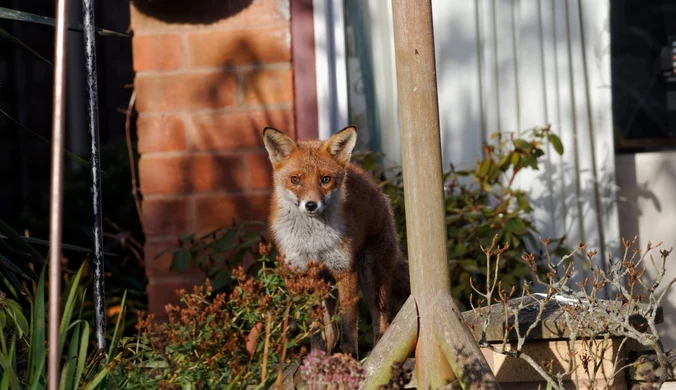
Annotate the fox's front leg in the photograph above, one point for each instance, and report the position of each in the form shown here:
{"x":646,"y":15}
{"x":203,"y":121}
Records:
{"x":348,"y":290}
{"x":326,"y":340}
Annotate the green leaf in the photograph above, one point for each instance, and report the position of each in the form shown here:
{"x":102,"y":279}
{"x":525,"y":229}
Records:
{"x":522,"y":145}
{"x":14,"y":311}
{"x":224,"y":242}
{"x":6,"y":13}
{"x":8,"y":370}
{"x":3,"y":319}
{"x":82,"y":356}
{"x":112,"y":349}
{"x":69,"y":154}
{"x":16,"y":42}
{"x":16,"y":238}
{"x":69,"y":247}
{"x":555,"y":141}
{"x":68,"y":371}
{"x":97,"y":379}
{"x":516,"y":226}
{"x":221,"y":280}
{"x":68,"y":306}
{"x":483,"y":169}
{"x":37,"y":354}
{"x":181,"y":260}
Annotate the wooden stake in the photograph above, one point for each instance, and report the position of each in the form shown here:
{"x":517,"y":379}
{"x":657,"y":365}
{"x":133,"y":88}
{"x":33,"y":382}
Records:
{"x":460,"y":347}
{"x":395,"y":346}
{"x":423,"y":187}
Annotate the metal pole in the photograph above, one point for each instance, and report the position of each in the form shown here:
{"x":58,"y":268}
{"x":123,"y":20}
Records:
{"x":423,"y":187}
{"x":93,"y":113}
{"x":56,"y":193}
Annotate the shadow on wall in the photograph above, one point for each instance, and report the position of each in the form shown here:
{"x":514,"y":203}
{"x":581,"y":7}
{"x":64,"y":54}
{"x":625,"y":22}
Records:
{"x":242,"y":83}
{"x":646,"y":184}
{"x":193,"y":12}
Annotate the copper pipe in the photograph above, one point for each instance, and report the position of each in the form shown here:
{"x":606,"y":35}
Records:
{"x":56,"y":194}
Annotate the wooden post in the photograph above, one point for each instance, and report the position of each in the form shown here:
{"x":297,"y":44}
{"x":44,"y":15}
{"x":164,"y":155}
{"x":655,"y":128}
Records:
{"x":423,"y":187}
{"x":442,"y":335}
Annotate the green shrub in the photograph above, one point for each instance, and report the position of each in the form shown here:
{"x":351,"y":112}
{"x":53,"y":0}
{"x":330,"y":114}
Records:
{"x":480,"y":202}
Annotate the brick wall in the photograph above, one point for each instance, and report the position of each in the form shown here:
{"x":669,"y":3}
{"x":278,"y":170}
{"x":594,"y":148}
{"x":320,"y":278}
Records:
{"x":208,"y":79}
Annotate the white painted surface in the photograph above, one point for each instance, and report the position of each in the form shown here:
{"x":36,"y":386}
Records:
{"x":511,"y":65}
{"x":647,"y":188}
{"x":330,"y":66}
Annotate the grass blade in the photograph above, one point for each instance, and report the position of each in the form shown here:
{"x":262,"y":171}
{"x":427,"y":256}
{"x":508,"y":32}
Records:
{"x":16,"y":42}
{"x":18,"y":268}
{"x":8,"y":372}
{"x":6,"y":13}
{"x":15,"y":237}
{"x":37,"y":353}
{"x":68,"y":153}
{"x":97,"y":379}
{"x":112,"y":350}
{"x":68,"y":372}
{"x":74,"y":248}
{"x":71,"y":290}
{"x":82,"y":356}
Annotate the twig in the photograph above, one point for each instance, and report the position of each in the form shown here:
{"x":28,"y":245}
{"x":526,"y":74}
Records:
{"x":285,"y":329}
{"x":132,"y":163}
{"x":266,"y":346}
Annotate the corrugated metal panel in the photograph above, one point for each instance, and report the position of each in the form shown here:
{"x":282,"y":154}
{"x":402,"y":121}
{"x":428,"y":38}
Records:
{"x":510,"y":65}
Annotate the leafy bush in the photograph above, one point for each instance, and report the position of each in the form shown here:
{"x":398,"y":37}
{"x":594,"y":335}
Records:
{"x":480,"y":202}
{"x":219,"y":252}
{"x":230,"y":340}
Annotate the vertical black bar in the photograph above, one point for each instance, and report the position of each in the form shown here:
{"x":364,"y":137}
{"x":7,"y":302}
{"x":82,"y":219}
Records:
{"x":92,"y":111}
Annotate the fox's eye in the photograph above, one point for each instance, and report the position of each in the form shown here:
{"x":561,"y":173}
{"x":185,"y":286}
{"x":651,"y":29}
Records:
{"x":326,"y":179}
{"x":295,"y":179}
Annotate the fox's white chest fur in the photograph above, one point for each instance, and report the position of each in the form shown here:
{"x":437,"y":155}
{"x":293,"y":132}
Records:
{"x":304,"y":238}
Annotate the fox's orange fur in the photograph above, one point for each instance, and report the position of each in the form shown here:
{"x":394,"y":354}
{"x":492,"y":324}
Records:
{"x":325,"y":208}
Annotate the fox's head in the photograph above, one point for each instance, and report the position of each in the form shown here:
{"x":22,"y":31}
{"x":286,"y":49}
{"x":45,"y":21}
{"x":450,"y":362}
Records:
{"x":309,"y":175}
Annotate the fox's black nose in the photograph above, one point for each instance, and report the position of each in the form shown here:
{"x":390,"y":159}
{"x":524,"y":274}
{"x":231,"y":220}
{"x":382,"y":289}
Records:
{"x":311,"y":206}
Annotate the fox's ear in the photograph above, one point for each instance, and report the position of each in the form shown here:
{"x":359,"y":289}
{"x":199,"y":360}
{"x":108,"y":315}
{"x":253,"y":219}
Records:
{"x":340,"y":145}
{"x":279,"y":146}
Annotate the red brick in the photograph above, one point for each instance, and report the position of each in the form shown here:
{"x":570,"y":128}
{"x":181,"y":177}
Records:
{"x":156,"y":52}
{"x":221,"y":48}
{"x":190,"y":173}
{"x":259,"y":171}
{"x":268,"y":86}
{"x":163,"y":291}
{"x":160,"y":266}
{"x":217,"y":211}
{"x":154,"y":15}
{"x":185,"y":91}
{"x":163,"y":133}
{"x":166,"y":217}
{"x":227,"y":131}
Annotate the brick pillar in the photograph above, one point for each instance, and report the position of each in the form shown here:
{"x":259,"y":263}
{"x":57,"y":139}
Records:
{"x":208,"y":79}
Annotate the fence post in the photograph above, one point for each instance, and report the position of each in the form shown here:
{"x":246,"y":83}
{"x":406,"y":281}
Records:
{"x":95,"y":150}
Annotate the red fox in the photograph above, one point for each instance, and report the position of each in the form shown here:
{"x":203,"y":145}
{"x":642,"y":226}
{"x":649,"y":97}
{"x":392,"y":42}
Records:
{"x":326,"y":209}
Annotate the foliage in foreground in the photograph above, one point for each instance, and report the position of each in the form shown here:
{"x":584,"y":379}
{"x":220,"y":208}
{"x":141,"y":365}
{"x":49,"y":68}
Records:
{"x":629,"y":313}
{"x":23,"y":349}
{"x":234,"y":340}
